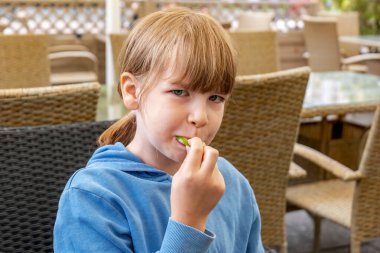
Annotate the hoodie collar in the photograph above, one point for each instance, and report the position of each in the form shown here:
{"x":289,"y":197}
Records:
{"x":117,"y":156}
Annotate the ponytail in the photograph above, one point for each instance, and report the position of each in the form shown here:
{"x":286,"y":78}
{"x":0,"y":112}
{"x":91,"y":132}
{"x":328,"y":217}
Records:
{"x":122,"y":131}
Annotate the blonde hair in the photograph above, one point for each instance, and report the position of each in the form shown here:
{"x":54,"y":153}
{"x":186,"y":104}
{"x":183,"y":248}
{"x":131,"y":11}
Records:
{"x":204,"y":56}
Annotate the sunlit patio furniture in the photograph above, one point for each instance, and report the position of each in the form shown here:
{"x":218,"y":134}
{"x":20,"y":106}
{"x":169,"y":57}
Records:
{"x":48,"y":105}
{"x":340,"y":92}
{"x":257,"y":52}
{"x":23,"y":61}
{"x":348,"y":24}
{"x":371,"y":41}
{"x":254,"y":21}
{"x":337,"y":111}
{"x":36,"y":163}
{"x":322,"y":44}
{"x":77,"y":64}
{"x":363,"y":40}
{"x":117,"y":40}
{"x":257,"y":135}
{"x":352,"y":200}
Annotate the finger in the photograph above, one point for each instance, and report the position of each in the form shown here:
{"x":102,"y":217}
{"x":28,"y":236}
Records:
{"x":210,"y":157}
{"x":195,"y":153}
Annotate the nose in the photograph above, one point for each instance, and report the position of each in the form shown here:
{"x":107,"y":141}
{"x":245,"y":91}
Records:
{"x":198,"y":115}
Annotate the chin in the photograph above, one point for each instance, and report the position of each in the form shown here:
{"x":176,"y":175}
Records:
{"x":177,"y":157}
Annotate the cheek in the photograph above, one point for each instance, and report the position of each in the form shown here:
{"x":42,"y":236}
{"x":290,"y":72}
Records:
{"x":215,"y":124}
{"x":218,"y":116}
{"x":163,"y":119}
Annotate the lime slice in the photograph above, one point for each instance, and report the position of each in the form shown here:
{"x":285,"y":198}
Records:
{"x":183,"y":140}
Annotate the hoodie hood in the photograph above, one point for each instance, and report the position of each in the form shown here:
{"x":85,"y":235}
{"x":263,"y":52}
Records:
{"x":116,"y":156}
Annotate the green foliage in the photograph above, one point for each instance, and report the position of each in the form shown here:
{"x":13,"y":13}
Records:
{"x":369,"y":12}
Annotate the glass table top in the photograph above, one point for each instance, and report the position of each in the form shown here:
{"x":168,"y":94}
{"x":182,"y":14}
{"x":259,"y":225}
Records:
{"x":340,"y":88}
{"x":363,"y":40}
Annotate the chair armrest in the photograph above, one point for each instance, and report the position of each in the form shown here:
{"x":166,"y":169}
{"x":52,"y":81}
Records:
{"x":73,"y":54}
{"x":326,"y":163}
{"x":296,"y":171}
{"x":360,"y":58}
{"x":69,"y":47}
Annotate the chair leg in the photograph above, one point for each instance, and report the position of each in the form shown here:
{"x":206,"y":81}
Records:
{"x":317,"y":233}
{"x":284,"y":248}
{"x":355,"y":246}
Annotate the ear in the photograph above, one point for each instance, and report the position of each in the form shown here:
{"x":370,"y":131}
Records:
{"x":129,"y":90}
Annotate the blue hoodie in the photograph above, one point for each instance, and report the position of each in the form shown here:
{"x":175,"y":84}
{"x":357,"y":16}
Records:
{"x":119,"y":204}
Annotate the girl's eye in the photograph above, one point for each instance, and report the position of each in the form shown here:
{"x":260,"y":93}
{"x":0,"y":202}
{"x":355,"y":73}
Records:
{"x":216,"y":98}
{"x":179,"y":93}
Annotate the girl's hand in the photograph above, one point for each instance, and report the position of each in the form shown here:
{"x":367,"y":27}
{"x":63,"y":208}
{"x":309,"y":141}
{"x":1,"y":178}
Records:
{"x":197,"y":186}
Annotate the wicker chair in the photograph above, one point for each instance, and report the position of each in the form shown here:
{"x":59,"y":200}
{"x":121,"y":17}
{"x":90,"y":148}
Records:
{"x":257,"y":52}
{"x":72,"y":64}
{"x":257,"y":135}
{"x":36,"y":162}
{"x":348,"y":24}
{"x":321,"y":37}
{"x":48,"y":105}
{"x":23,"y":61}
{"x":254,"y":21}
{"x":117,"y":40}
{"x":352,"y":200}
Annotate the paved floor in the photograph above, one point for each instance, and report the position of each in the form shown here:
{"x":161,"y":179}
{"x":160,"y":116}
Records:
{"x":334,"y":238}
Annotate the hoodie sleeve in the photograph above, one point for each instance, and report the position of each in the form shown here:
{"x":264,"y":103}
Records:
{"x":185,"y":239}
{"x":88,"y":223}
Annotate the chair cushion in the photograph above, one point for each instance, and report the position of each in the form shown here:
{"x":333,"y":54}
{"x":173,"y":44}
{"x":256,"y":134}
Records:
{"x":73,"y":77}
{"x":331,"y":199}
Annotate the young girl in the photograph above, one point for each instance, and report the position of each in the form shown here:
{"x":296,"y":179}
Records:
{"x":144,"y":190}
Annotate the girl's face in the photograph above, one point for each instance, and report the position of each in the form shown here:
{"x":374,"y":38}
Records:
{"x":170,"y":110}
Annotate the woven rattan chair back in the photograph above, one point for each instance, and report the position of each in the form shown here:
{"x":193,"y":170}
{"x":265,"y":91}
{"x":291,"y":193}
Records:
{"x":60,"y":104}
{"x":254,"y":21}
{"x":24,"y":61}
{"x":36,"y":162}
{"x":117,"y":40}
{"x":257,"y":52}
{"x":257,"y":135}
{"x":321,"y":38}
{"x":365,"y":219}
{"x":348,"y":24}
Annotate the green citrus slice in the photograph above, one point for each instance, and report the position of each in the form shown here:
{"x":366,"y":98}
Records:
{"x":183,"y":140}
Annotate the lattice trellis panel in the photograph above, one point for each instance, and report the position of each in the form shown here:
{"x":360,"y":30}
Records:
{"x":225,"y":11}
{"x":88,"y":16}
{"x":129,"y":13}
{"x":52,"y":17}
{"x":131,"y":10}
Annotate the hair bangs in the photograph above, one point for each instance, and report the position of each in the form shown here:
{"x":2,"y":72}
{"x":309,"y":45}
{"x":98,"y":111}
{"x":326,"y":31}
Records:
{"x":205,"y":59}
